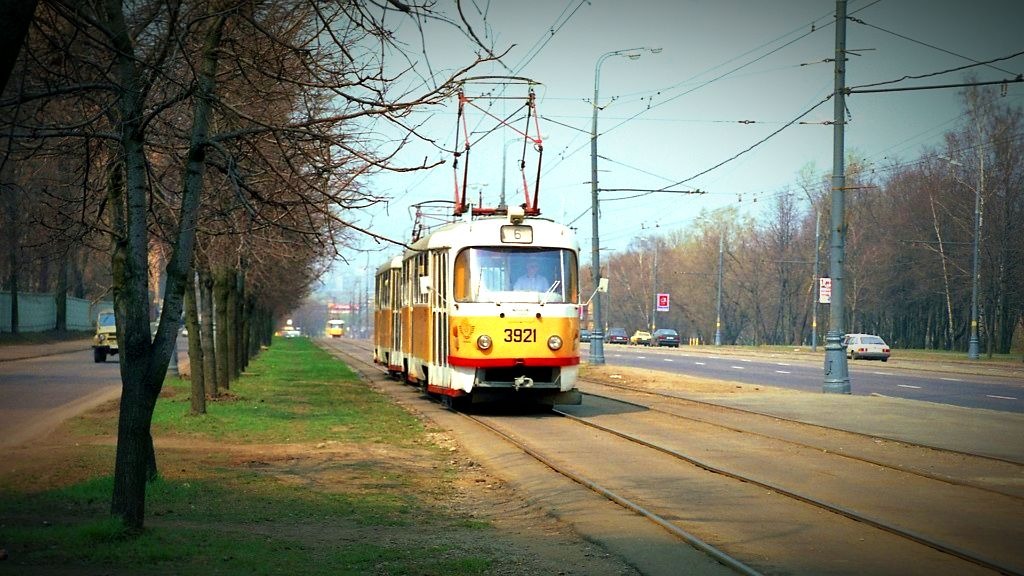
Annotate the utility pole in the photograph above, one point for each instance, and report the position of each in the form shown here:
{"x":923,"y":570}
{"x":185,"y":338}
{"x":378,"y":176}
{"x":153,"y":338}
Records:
{"x":718,"y":307}
{"x":814,"y":286}
{"x":837,"y":376}
{"x":654,"y":287}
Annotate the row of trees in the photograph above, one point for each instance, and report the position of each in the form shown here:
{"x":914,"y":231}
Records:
{"x":223,"y":141}
{"x":909,"y":251}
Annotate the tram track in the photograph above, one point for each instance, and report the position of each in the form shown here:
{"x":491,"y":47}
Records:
{"x":984,"y":466}
{"x":644,"y":426}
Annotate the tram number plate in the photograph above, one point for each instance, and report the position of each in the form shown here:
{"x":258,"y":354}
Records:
{"x":520,"y":334}
{"x":515,"y":234}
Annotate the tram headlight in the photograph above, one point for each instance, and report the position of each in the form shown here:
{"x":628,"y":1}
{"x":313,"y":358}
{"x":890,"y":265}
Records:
{"x":555,"y":342}
{"x":483,"y":342}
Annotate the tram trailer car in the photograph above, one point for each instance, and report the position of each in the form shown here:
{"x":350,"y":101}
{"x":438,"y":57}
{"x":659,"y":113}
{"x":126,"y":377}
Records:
{"x":484,"y":310}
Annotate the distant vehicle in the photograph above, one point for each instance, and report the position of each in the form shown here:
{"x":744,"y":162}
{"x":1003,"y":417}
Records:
{"x":665,"y":337}
{"x":336,"y":328}
{"x":616,"y":336}
{"x":104,"y":342}
{"x":866,"y":347}
{"x":584,"y":335}
{"x":291,"y":332}
{"x":640,"y":338}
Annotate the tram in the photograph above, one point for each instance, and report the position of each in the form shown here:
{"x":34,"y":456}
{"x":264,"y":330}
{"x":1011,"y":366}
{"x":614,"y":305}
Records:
{"x":335,"y":323}
{"x":486,"y":306}
{"x":484,"y":310}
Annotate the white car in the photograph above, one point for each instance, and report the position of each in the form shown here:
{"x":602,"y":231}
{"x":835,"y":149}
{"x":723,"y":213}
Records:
{"x":866,"y":346}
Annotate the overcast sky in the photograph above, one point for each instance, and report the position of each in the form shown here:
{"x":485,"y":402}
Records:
{"x":729,"y":74}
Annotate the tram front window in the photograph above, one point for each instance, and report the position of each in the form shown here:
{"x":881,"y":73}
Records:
{"x":516,"y":275}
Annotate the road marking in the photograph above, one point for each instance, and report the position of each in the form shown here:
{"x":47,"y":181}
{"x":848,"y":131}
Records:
{"x":701,"y":363}
{"x":882,"y":373}
{"x":908,"y":386}
{"x":1000,"y":397}
{"x":782,"y":364}
{"x":738,"y":367}
{"x":783,"y":372}
{"x":951,"y":379}
{"x":668,"y":359}
{"x":641,"y":357}
{"x":745,"y":360}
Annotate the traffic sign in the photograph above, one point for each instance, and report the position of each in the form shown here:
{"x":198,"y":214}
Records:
{"x":662,"y":302}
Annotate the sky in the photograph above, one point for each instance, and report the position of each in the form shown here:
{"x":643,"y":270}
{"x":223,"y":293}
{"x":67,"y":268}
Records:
{"x":727,"y":74}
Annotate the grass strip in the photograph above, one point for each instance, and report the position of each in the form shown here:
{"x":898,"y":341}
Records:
{"x":302,"y":469}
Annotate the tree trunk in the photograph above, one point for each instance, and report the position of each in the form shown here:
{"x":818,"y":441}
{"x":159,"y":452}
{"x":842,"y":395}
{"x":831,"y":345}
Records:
{"x":233,"y":323}
{"x":206,"y":330}
{"x":195,"y":352}
{"x":221,"y":286}
{"x":143,"y":358}
{"x":62,"y":293}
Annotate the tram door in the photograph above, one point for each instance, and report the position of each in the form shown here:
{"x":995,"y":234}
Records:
{"x":439,"y":317}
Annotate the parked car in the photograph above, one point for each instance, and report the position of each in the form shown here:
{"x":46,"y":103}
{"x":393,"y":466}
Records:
{"x":640,"y":338}
{"x":866,"y":346}
{"x":584,"y":335}
{"x":665,"y":337}
{"x":616,"y":336}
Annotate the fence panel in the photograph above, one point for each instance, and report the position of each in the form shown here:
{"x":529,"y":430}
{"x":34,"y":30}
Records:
{"x":38,"y":312}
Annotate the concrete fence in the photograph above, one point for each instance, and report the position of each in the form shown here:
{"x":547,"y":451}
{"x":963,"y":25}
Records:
{"x":38,"y":312}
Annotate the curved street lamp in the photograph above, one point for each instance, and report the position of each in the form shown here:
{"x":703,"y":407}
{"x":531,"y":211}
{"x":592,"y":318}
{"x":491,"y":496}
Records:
{"x":597,"y":335}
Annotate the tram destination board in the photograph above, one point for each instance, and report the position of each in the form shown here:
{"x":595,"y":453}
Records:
{"x":517,"y":234}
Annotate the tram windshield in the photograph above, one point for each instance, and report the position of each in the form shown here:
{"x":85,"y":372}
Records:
{"x":516,"y":275}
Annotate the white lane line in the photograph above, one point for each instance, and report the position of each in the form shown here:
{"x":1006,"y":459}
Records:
{"x":951,"y":379}
{"x":882,"y":373}
{"x":1000,"y":397}
{"x":668,"y":360}
{"x":641,"y":357}
{"x":739,"y":367}
{"x":783,"y":372}
{"x":782,"y":364}
{"x":745,"y":360}
{"x":701,"y":363}
{"x":908,"y":386}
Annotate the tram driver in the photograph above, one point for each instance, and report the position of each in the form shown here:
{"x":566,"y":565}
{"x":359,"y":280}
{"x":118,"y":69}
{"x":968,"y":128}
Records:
{"x":532,"y":280}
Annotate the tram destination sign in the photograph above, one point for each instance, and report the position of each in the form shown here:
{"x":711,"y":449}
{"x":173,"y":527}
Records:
{"x":516,"y":234}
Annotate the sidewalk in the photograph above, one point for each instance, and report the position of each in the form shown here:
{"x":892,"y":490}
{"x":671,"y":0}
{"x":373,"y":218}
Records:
{"x":10,"y":352}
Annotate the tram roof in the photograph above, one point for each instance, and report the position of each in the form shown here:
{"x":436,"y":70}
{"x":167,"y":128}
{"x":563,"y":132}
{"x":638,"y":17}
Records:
{"x":486,"y":231}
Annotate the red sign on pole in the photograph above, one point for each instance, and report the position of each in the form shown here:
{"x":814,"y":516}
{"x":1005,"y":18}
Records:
{"x":663,"y":300}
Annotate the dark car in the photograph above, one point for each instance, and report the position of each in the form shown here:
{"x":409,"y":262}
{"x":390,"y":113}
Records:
{"x":584,"y":335}
{"x":665,"y":337}
{"x":617,"y":336}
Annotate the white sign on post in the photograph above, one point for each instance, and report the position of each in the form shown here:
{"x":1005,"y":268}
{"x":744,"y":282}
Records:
{"x":825,"y":290}
{"x":663,"y":300}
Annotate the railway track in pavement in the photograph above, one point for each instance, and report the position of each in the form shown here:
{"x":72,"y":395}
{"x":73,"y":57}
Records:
{"x":765,"y":494}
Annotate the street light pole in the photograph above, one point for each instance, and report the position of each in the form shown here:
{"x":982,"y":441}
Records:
{"x":972,"y":346}
{"x":597,"y":334}
{"x":837,"y":376}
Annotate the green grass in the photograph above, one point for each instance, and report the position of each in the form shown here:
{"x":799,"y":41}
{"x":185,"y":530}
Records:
{"x":302,"y":512}
{"x":297,"y":393}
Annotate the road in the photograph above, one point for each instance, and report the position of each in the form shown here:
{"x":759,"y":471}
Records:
{"x":866,"y":377}
{"x":37,"y":394}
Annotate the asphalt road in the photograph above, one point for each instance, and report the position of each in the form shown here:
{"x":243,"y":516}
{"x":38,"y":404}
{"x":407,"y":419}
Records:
{"x":866,"y":377}
{"x":37,"y":394}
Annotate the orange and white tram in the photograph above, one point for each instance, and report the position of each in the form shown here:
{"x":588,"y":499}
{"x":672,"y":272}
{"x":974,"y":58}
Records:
{"x":484,"y":309}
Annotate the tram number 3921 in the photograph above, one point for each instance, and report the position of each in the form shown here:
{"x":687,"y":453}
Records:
{"x":520,"y":334}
